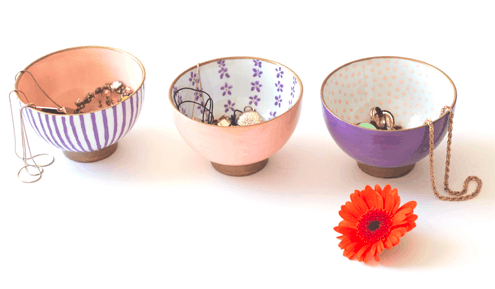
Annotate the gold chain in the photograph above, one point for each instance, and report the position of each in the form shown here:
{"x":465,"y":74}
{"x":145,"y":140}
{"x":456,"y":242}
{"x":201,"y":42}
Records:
{"x":459,"y":195}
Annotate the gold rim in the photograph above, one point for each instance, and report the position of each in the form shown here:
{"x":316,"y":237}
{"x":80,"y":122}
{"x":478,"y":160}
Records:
{"x":84,"y":47}
{"x":385,"y":57}
{"x":170,"y":94}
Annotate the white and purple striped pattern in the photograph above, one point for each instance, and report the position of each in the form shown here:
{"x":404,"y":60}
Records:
{"x":87,"y":132}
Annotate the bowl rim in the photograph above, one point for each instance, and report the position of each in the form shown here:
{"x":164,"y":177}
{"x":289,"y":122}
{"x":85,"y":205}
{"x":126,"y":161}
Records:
{"x":226,"y":58}
{"x":386,"y":57}
{"x":83,"y":47}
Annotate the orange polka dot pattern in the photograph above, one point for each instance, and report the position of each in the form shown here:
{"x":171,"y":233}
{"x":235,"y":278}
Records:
{"x":411,"y":90}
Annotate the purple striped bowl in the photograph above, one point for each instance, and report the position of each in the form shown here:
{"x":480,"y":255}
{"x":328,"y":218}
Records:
{"x":412,"y":90}
{"x":84,"y":137}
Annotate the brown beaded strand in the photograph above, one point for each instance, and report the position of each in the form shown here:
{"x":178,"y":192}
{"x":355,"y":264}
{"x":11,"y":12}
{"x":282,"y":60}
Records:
{"x":459,"y":195}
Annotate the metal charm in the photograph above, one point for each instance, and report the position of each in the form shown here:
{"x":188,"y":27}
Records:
{"x":222,"y":121}
{"x":383,"y":119}
{"x":249,"y":117}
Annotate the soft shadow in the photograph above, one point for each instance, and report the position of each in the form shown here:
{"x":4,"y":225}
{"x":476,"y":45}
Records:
{"x":305,"y":171}
{"x":418,"y":250}
{"x":146,"y":155}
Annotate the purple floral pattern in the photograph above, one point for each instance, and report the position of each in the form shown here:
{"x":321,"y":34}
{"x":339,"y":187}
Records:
{"x":223,"y":70}
{"x":273,"y":114}
{"x":254,"y":99}
{"x":257,"y":72}
{"x":198,"y":95}
{"x":293,"y":88}
{"x":256,"y":85}
{"x":229,"y":106}
{"x":278,"y":100}
{"x":255,"y":81}
{"x":226,"y":89}
{"x":193,"y":78}
{"x":201,"y":107}
{"x":176,"y":95}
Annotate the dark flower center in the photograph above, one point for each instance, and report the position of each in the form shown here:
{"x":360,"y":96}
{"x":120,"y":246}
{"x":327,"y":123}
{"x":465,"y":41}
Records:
{"x":374,"y":225}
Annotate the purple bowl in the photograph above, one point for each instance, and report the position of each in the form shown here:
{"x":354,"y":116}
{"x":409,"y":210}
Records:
{"x":412,"y":90}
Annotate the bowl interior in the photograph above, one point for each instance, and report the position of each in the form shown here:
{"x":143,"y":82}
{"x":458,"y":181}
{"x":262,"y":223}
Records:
{"x":235,"y":83}
{"x":411,"y":90}
{"x":70,"y":74}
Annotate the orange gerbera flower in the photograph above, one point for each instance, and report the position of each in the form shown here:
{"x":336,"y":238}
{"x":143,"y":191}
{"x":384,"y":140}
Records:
{"x":373,"y":221}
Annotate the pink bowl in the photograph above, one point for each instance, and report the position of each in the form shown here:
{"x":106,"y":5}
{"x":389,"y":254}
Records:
{"x":271,"y":88}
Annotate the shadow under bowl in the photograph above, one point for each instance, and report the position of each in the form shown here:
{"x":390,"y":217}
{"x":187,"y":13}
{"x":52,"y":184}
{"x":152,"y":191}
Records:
{"x":68,"y":75}
{"x":270,"y":88}
{"x":411,"y":90}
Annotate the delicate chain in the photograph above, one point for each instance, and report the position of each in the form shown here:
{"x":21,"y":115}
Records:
{"x":26,"y":147}
{"x":459,"y":195}
{"x":24,"y":71}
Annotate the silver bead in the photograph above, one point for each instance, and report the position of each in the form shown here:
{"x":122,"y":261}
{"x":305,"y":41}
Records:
{"x":116,"y":85}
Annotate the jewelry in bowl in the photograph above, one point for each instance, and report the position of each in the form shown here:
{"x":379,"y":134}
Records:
{"x":411,"y":90}
{"x":260,"y":98}
{"x":86,"y":126}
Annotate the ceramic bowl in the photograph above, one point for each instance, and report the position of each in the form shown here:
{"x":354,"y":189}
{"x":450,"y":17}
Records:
{"x":69,"y":74}
{"x":270,"y":88}
{"x":410,"y":89}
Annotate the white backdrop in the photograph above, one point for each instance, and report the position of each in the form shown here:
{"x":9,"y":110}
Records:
{"x":157,"y":215}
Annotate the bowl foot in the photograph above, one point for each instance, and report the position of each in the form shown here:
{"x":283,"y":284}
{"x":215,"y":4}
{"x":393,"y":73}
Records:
{"x":386,"y":173}
{"x":240,"y":171}
{"x":89,"y":157}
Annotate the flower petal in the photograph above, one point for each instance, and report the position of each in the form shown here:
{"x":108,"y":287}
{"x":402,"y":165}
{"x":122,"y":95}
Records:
{"x":373,"y":249}
{"x":412,"y":218}
{"x":399,"y":232}
{"x":359,"y":202}
{"x":349,"y":253}
{"x":362,"y":252}
{"x":372,"y":199}
{"x":352,"y":209}
{"x":346,"y":216}
{"x":411,"y":222}
{"x":388,"y":244}
{"x":393,"y":239}
{"x":347,"y":224}
{"x":411,"y":226}
{"x":398,"y":218}
{"x":390,"y":201}
{"x":408,"y":207}
{"x":345,"y":231}
{"x":378,"y":189}
{"x":367,"y":256}
{"x":346,"y":241}
{"x":397,"y":201}
{"x":349,"y":243}
{"x":379,"y":248}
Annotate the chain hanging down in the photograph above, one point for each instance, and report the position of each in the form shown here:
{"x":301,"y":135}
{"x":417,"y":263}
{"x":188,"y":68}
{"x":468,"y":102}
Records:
{"x":25,"y":146}
{"x":457,"y":195}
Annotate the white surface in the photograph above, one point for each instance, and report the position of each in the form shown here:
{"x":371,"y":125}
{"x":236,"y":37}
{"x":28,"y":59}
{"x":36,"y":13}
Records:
{"x":157,"y":215}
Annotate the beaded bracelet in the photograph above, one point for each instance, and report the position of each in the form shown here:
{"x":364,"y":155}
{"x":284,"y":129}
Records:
{"x":106,"y":90}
